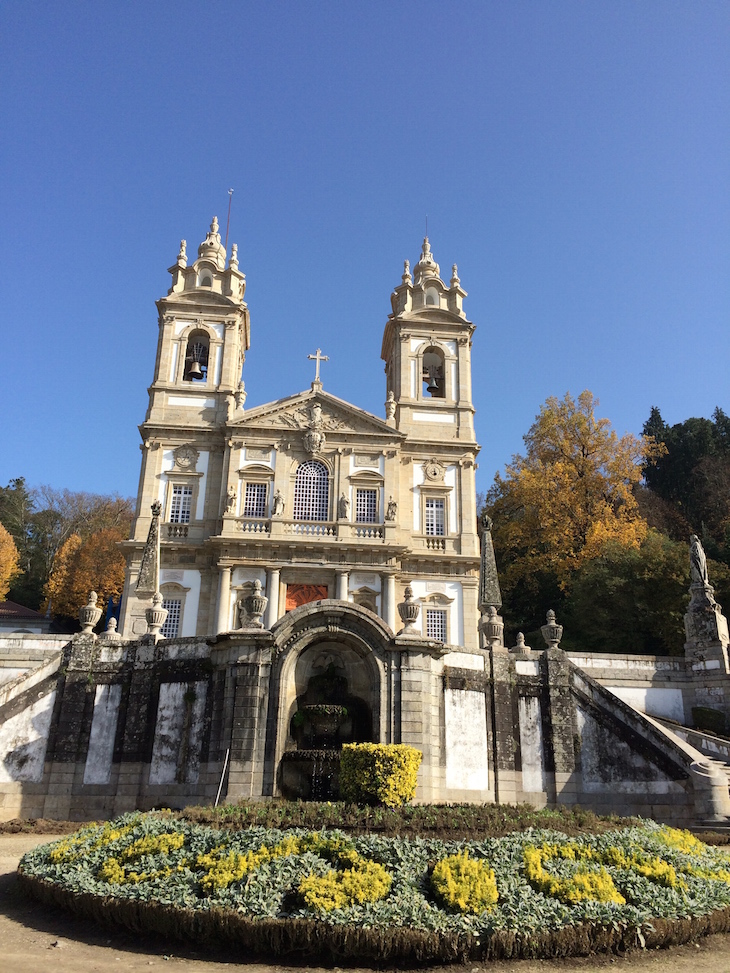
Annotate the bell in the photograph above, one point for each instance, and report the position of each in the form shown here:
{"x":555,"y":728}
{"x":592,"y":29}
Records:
{"x":195,"y":371}
{"x":433,"y":388}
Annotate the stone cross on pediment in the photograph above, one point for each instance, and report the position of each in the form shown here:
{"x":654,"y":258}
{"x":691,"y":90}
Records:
{"x":318,"y":357}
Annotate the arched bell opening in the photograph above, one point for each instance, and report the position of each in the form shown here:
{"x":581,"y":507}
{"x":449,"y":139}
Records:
{"x":434,"y":373}
{"x":196,"y":357}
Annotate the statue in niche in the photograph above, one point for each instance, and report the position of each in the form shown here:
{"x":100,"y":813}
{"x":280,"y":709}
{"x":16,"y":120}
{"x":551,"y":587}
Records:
{"x":697,"y":561}
{"x":278,"y":504}
{"x":343,"y":507}
{"x":392,"y":510}
{"x":231,"y":498}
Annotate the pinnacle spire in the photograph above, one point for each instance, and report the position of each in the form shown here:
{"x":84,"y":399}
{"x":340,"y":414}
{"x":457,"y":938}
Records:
{"x":211,"y":247}
{"x":426,"y":266}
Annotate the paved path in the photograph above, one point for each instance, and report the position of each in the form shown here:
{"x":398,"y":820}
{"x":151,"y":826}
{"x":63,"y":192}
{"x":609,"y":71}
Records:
{"x":34,"y":939}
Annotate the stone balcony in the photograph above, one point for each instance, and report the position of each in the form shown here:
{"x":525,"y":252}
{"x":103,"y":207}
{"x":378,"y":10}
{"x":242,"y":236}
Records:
{"x":279,"y":528}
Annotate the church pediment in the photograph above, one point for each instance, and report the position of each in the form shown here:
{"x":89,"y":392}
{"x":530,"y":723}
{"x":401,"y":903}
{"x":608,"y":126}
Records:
{"x":316,"y":411}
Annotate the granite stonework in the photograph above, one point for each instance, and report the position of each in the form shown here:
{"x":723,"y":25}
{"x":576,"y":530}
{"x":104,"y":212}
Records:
{"x":303,"y":573}
{"x":113,"y":725}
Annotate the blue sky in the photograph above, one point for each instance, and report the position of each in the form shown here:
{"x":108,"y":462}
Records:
{"x":572,"y":158}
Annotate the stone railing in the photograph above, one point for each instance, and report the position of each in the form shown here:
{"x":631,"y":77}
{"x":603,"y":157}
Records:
{"x":309,"y":528}
{"x":254,"y":526}
{"x":368,"y":531}
{"x":177,"y":530}
{"x":438,"y":545}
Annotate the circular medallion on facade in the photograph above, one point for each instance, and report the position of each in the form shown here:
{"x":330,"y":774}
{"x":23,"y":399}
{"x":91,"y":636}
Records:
{"x":433,"y":470}
{"x":186,"y":457}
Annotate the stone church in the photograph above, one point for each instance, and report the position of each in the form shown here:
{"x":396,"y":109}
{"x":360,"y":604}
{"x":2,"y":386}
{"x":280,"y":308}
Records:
{"x":302,"y":574}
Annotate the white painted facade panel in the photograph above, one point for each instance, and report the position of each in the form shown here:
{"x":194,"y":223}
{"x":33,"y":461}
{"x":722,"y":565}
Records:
{"x":467,"y":766}
{"x":98,"y":767}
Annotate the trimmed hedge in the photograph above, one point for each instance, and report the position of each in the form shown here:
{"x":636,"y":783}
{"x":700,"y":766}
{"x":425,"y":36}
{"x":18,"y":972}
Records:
{"x":379,"y":773}
{"x":333,"y":896}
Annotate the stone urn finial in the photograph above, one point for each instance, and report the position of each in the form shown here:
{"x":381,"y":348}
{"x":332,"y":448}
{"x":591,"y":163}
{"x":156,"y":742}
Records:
{"x":552,"y":632}
{"x":156,"y":616}
{"x":520,"y":644}
{"x":111,"y":632}
{"x":409,"y":611}
{"x":252,"y":607}
{"x":89,"y":615}
{"x":492,"y":628}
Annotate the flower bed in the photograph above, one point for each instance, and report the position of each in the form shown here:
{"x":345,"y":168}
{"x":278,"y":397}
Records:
{"x":326,"y":894}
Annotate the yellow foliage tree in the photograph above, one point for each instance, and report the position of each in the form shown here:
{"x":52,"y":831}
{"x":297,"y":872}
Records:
{"x":570,"y":493}
{"x":81,"y":566}
{"x":9,"y":561}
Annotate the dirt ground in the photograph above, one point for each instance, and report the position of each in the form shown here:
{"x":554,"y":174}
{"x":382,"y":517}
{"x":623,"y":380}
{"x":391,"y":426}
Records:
{"x":32,"y":936}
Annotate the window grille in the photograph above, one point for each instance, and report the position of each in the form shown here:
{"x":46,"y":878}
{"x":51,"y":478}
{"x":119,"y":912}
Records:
{"x":366,"y":506}
{"x":436,"y":624}
{"x":181,"y":504}
{"x":311,"y":491}
{"x":172,"y":622}
{"x":254,"y":500}
{"x":435,"y":517}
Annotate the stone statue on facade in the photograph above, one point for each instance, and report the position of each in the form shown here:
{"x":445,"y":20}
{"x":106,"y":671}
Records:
{"x":314,"y":438}
{"x":392,"y":510}
{"x":343,"y":507}
{"x":241,"y":395}
{"x":231,"y":498}
{"x":705,"y":625}
{"x":390,"y":405}
{"x":278,"y":504}
{"x":697,"y":561}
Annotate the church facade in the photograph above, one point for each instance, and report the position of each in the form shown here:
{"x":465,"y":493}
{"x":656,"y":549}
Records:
{"x":310,"y":496}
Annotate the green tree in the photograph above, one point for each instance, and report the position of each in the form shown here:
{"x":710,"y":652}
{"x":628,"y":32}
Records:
{"x":693,"y":474}
{"x":630,"y":599}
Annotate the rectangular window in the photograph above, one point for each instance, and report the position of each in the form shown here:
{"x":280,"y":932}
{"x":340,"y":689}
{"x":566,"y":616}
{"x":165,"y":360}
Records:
{"x":436,"y":624}
{"x":254,"y":500}
{"x":366,"y":506}
{"x":181,"y":504}
{"x":435,"y":517}
{"x":172,"y":622}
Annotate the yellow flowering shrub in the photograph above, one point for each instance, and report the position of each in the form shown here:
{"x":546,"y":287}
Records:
{"x":465,"y":883}
{"x":583,"y":885}
{"x":683,"y":841}
{"x":649,"y":866}
{"x":379,"y":773}
{"x":365,"y":881}
{"x":117,"y":869}
{"x":76,"y":846}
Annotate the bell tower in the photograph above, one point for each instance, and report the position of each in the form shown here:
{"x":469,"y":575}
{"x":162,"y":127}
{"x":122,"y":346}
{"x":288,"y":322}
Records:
{"x":427,"y":354}
{"x":204,"y":333}
{"x":203,"y":338}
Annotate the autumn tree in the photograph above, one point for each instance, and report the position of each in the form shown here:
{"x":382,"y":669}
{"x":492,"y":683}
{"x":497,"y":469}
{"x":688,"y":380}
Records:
{"x":81,"y":566}
{"x":41,"y":519}
{"x":561,"y":502}
{"x":9,"y":561}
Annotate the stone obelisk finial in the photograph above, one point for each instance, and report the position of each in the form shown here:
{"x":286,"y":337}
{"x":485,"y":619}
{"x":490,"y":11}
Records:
{"x":148,"y":581}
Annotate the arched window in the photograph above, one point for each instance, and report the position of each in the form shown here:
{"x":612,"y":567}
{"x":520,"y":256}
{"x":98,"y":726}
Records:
{"x":196,"y":357}
{"x":432,"y":296}
{"x":434,"y":373}
{"x":311,"y":491}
